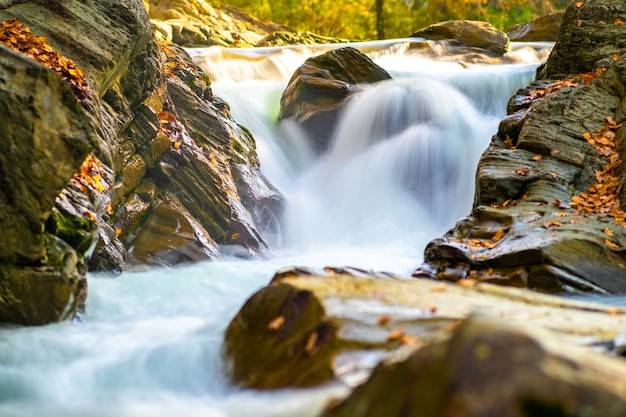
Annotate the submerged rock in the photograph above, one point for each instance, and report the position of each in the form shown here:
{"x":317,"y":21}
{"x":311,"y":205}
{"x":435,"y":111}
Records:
{"x":318,"y":89}
{"x":548,"y":201}
{"x":308,"y":328}
{"x":543,"y":29}
{"x":467,"y":34}
{"x":490,"y":368}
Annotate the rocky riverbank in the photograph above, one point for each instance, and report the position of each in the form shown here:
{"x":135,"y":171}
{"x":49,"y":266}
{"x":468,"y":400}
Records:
{"x":137,"y":164}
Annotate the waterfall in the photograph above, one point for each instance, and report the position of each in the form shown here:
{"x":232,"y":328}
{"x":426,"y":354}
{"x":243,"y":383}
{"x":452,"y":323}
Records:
{"x":399,"y":171}
{"x":400,"y":168}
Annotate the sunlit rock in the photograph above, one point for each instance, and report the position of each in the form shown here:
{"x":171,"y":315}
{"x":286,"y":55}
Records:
{"x":284,"y":38}
{"x":543,"y":29}
{"x":467,"y":34}
{"x":310,"y":327}
{"x":490,"y":367}
{"x":202,"y":23}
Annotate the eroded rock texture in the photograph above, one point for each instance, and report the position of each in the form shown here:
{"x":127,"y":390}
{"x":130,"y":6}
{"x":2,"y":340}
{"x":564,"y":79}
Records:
{"x":547,"y":210}
{"x":171,"y":176}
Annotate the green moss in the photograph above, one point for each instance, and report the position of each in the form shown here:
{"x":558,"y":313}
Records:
{"x":78,"y":232}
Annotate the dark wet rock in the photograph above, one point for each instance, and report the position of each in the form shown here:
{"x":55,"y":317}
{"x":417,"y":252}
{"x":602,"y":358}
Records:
{"x":591,"y":35}
{"x":169,"y":236}
{"x":200,"y":23}
{"x":310,"y":327}
{"x":490,"y":368}
{"x":524,"y":229}
{"x":45,"y":136}
{"x":543,"y":29}
{"x":467,"y":34}
{"x":318,"y":89}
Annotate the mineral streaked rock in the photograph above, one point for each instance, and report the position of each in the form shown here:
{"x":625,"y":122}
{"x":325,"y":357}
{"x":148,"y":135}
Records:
{"x":306,"y":329}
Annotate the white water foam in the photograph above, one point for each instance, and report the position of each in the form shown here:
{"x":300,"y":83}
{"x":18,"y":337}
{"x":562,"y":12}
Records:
{"x":148,"y":343}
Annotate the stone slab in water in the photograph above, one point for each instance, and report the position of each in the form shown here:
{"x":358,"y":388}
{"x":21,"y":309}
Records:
{"x":489,"y":367}
{"x":307,"y":329}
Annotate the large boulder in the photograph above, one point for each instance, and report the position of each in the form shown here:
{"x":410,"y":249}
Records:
{"x":548,"y":212}
{"x":318,"y":89}
{"x":592,"y":35}
{"x":467,"y":34}
{"x":310,"y":327}
{"x":490,"y":368}
{"x":543,"y":29}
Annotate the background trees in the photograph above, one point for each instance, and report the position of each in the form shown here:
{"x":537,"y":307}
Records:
{"x":371,"y":19}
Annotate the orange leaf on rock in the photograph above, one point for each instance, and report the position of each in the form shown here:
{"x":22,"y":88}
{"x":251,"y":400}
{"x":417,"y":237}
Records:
{"x":21,"y":39}
{"x":276,"y":323}
{"x":395,"y":335}
{"x":552,"y":224}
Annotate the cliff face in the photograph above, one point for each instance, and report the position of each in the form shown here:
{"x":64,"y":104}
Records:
{"x":146,"y":167}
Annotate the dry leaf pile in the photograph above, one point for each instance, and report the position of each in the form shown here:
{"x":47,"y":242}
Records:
{"x":21,"y":39}
{"x":603,"y":196}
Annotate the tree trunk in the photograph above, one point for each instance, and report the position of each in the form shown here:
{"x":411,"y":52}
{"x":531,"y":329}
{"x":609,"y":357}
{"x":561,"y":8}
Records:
{"x":380,"y":19}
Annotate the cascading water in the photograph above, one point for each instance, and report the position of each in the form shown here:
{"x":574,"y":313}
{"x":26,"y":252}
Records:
{"x":399,"y":171}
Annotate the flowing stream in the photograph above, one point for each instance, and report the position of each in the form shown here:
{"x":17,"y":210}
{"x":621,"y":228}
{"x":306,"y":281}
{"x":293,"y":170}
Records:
{"x":399,"y":172}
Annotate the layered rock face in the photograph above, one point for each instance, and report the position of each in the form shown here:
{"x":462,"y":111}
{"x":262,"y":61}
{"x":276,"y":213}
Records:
{"x":45,"y":135}
{"x":170,"y":179}
{"x":548,"y":208}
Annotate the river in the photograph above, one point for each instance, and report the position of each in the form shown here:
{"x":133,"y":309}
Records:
{"x":148,"y":342}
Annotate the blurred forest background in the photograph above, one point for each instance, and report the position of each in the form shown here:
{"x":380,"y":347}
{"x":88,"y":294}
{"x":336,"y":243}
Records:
{"x":379,"y":19}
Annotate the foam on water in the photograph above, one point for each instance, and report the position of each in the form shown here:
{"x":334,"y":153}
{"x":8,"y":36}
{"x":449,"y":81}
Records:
{"x":399,"y":171}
